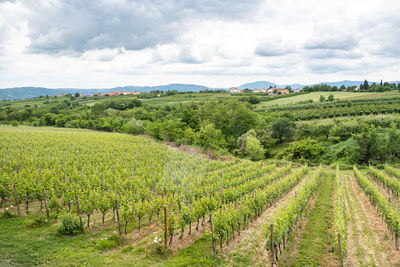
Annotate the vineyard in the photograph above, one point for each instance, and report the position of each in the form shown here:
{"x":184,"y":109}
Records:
{"x":137,"y":202}
{"x":341,"y":108}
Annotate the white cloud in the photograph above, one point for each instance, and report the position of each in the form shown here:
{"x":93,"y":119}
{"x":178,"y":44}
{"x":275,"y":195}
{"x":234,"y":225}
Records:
{"x":59,"y":43}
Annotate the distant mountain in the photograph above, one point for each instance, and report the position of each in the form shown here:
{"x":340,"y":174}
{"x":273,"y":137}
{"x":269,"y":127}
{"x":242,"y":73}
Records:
{"x":259,"y":84}
{"x":345,"y":83}
{"x":265,"y":84}
{"x":30,"y":92}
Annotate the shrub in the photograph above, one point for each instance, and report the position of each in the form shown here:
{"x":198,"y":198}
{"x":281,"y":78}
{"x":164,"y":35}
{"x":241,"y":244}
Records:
{"x":8,"y":214}
{"x":127,"y":249}
{"x":71,"y":225}
{"x":307,"y":150}
{"x":133,"y":127}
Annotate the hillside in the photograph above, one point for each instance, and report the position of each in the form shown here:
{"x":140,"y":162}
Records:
{"x":92,"y":198}
{"x":30,"y":92}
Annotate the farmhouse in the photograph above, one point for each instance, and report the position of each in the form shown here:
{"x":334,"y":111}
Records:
{"x":278,"y":91}
{"x":235,"y":90}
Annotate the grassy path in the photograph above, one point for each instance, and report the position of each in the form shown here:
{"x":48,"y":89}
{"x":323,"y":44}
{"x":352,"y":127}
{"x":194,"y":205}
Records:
{"x":313,"y":245}
{"x":249,"y":247}
{"x":368,"y":241}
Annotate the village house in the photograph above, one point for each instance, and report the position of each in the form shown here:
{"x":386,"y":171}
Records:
{"x":278,"y":91}
{"x":235,"y":90}
{"x":297,"y":90}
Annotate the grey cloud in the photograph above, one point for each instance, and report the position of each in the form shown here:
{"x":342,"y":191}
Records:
{"x":384,"y":38}
{"x":333,"y":53}
{"x":186,"y":56}
{"x":334,"y":41}
{"x":271,"y":48}
{"x":323,"y":67}
{"x":78,"y":26}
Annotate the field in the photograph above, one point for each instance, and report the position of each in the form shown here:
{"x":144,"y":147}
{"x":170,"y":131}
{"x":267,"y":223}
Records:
{"x":315,"y":96}
{"x":118,"y":184}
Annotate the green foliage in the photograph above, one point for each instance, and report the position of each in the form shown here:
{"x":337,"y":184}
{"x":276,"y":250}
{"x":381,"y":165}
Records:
{"x":372,"y":147}
{"x":282,"y":129}
{"x":285,"y":218}
{"x":393,"y":148}
{"x":133,"y":126}
{"x":388,"y":211}
{"x":70,"y":225}
{"x":209,"y":137}
{"x":7,"y":214}
{"x":343,"y":131}
{"x":250,"y":146}
{"x":307,"y":150}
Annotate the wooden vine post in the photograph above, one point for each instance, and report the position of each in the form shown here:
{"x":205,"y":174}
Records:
{"x":16,"y":200}
{"x":118,"y":219}
{"x":79,"y":209}
{"x":165,"y":226}
{"x":272,"y":246}
{"x":340,"y":249}
{"x":45,"y":204}
{"x":214,"y":245}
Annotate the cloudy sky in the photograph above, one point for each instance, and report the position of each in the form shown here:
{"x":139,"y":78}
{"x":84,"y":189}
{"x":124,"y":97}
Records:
{"x":217,"y":43}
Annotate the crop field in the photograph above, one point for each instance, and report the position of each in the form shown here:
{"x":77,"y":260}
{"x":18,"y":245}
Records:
{"x":77,"y":197}
{"x":316,"y":95}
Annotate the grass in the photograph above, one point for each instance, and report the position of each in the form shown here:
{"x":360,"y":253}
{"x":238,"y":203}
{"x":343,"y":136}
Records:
{"x":315,"y":97}
{"x":22,"y":245}
{"x":355,"y":208}
{"x":316,"y":244}
{"x":198,"y":254}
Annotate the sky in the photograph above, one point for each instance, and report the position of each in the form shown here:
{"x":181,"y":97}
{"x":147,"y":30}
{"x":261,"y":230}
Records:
{"x":216,"y":43}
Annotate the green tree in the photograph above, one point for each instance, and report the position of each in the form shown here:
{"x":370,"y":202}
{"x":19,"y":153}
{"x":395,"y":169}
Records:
{"x":133,"y":127}
{"x":321,"y":98}
{"x":306,"y":150}
{"x":366,"y":86}
{"x":331,"y":98}
{"x":394,"y":142}
{"x":282,"y":129}
{"x":98,"y":108}
{"x":368,"y":144}
{"x":250,"y":146}
{"x":209,"y":137}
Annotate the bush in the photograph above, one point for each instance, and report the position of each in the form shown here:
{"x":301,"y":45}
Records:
{"x":8,"y":214}
{"x":133,"y":127}
{"x":109,"y":242}
{"x":71,"y":225}
{"x":306,"y":150}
